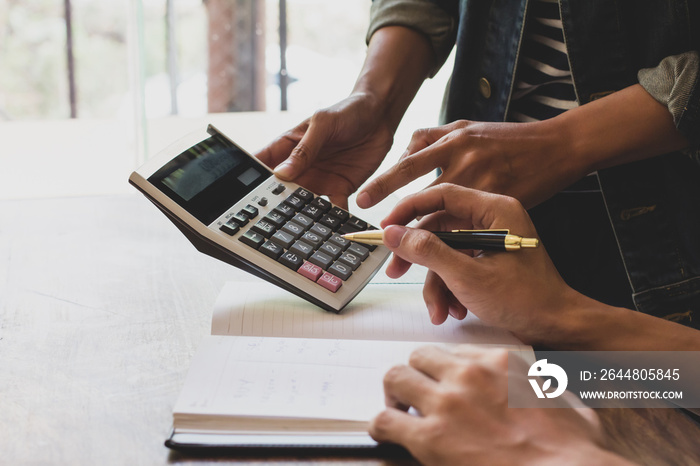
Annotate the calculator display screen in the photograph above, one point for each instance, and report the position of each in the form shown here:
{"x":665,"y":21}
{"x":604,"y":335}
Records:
{"x":209,"y":177}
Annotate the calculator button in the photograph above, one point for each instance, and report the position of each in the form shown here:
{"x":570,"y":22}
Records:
{"x":304,"y":194}
{"x":230,"y":228}
{"x":357,"y":223}
{"x":291,"y":260}
{"x":358,"y":250}
{"x":350,"y":259}
{"x":345,"y":229}
{"x":303,"y":220}
{"x":240,"y":219}
{"x":331,"y":249}
{"x":295,"y":202}
{"x":282,"y":238}
{"x":264,"y":228}
{"x":321,"y":259}
{"x":339,"y":213}
{"x":310,"y":271}
{"x":331,"y":222}
{"x":293,"y":229}
{"x":340,"y":270}
{"x":312,"y":211}
{"x":342,"y":242}
{"x":330,"y":282}
{"x":250,"y":211}
{"x":279,"y":188}
{"x":275,"y":218}
{"x":271,"y":249}
{"x":285,"y":211}
{"x":321,"y":230}
{"x":252,"y":239}
{"x":322,"y":204}
{"x":302,"y":248}
{"x":262,"y":202}
{"x":312,"y":238}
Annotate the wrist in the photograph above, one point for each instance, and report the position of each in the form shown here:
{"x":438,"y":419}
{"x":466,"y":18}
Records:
{"x":374,"y":107}
{"x":620,"y":128}
{"x":583,"y":453}
{"x":568,"y":150}
{"x":565,"y":325}
{"x":398,"y":60}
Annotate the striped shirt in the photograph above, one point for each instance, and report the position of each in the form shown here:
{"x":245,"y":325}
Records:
{"x":544,"y":87}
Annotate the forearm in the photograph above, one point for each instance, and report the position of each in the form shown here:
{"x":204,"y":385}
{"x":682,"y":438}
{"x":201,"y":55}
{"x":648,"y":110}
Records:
{"x":623,"y":127}
{"x":589,"y":325}
{"x":398,"y":60}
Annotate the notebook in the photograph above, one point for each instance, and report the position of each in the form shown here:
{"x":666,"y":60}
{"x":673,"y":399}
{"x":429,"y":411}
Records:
{"x":277,"y":372}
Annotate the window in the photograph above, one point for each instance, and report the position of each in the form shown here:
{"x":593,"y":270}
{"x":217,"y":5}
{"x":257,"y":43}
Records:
{"x":134,"y":74}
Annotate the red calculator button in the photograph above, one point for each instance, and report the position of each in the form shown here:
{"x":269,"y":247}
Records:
{"x":310,"y":271}
{"x":330,"y":282}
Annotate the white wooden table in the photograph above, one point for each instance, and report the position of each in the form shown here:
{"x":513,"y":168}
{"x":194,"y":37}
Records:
{"x":102,"y":304}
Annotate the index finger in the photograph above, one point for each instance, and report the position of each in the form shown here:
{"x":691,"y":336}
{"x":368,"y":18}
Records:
{"x":403,"y":172}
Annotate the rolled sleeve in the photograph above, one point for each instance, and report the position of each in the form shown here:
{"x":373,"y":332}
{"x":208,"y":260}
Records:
{"x":424,"y":16}
{"x":674,"y":83}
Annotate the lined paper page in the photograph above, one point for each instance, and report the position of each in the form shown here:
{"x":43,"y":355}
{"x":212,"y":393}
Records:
{"x":391,"y":312}
{"x":289,"y":378}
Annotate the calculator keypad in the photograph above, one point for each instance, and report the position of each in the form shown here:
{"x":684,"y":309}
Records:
{"x":303,"y":234}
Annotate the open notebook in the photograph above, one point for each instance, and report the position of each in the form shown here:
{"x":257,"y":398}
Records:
{"x":278,"y":372}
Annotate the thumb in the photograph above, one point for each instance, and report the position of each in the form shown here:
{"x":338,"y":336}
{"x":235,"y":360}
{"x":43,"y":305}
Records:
{"x":303,"y":154}
{"x":423,"y":248}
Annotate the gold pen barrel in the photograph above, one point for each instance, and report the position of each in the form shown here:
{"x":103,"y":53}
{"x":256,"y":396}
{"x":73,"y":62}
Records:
{"x":515,"y":242}
{"x":373,"y":237}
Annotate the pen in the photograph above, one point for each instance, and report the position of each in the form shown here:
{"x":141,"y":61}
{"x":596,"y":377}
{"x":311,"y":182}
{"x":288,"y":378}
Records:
{"x":487,"y":240}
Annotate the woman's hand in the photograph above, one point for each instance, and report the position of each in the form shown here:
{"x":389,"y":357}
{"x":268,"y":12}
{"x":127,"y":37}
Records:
{"x":338,"y":148}
{"x":520,"y":291}
{"x":335,"y":150}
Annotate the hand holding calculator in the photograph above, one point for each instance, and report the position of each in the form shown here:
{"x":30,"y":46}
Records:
{"x":232,"y":207}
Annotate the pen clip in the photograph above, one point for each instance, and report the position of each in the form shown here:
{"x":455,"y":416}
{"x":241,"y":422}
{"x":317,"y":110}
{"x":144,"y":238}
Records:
{"x":496,"y":231}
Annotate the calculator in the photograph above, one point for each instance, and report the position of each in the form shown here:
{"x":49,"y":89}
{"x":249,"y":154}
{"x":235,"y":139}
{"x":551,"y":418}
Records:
{"x":231,"y":206}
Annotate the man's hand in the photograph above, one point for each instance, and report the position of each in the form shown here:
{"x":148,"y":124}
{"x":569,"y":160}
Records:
{"x":520,"y":291}
{"x":463,"y":416}
{"x":335,"y":150}
{"x":522,"y":160}
{"x":533,"y":161}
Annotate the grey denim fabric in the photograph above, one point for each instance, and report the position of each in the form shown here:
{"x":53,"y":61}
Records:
{"x":423,"y":16}
{"x":671,"y":83}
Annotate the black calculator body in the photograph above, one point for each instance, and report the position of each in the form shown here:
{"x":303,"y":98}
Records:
{"x":232,"y":207}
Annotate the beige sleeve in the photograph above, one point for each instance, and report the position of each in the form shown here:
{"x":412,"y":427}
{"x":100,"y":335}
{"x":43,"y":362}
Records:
{"x":424,"y":16}
{"x":672,"y":81}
